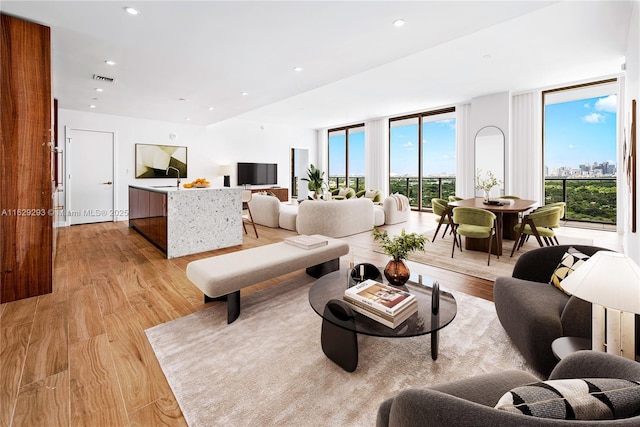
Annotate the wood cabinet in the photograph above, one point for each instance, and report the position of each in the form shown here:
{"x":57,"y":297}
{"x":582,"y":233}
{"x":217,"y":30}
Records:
{"x":281,"y":193}
{"x":26,"y":205}
{"x":148,"y":215}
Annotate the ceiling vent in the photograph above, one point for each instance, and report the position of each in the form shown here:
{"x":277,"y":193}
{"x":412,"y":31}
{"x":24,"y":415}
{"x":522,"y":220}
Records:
{"x":104,"y":79}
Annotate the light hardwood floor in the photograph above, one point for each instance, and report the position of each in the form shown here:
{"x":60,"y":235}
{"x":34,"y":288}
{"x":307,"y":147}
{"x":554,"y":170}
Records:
{"x":79,"y":356}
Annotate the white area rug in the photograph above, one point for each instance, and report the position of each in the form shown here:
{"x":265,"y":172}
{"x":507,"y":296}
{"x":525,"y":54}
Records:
{"x":268,"y":368}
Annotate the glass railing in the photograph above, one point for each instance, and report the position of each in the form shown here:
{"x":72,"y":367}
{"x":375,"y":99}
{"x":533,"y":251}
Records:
{"x":355,"y":182}
{"x":587,"y":199}
{"x":433,"y":187}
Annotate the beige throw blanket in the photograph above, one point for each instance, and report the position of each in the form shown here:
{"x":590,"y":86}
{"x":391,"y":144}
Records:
{"x":402,"y":201}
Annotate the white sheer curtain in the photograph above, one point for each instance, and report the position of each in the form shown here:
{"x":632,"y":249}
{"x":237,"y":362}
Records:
{"x":322,"y":159}
{"x":525,"y":177}
{"x":464,"y":153}
{"x":376,"y":153}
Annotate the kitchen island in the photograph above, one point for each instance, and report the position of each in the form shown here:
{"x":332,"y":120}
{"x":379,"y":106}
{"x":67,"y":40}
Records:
{"x":184,"y":221}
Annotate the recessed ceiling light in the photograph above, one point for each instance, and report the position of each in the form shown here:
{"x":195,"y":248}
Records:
{"x":109,"y":62}
{"x":398,"y":23}
{"x":298,"y":69}
{"x":99,"y":89}
{"x":92,"y":106}
{"x":131,"y":11}
{"x":244,"y":93}
{"x":210,"y":108}
{"x":187,"y":118}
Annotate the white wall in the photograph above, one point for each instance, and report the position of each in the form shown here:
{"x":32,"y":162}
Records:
{"x":489,"y":110}
{"x":207,"y":147}
{"x":237,"y":140}
{"x":631,"y":241}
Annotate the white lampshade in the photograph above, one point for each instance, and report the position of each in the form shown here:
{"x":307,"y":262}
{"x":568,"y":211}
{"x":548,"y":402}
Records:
{"x":225,"y":170}
{"x":609,"y":279}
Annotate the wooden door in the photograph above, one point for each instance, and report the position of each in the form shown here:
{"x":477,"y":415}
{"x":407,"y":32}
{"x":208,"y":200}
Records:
{"x":90,"y":176}
{"x":26,"y":208}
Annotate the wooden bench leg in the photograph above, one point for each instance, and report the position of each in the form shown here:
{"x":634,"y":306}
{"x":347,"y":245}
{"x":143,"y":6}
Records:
{"x":233,"y":304}
{"x":207,"y":298}
{"x":320,"y":270}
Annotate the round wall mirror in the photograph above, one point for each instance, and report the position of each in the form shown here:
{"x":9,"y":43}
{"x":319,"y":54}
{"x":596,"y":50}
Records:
{"x":489,"y":148}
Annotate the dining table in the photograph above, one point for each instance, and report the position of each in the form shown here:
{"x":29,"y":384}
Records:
{"x":507,"y":213}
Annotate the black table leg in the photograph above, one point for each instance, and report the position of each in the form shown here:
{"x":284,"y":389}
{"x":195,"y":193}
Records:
{"x":434,"y":345}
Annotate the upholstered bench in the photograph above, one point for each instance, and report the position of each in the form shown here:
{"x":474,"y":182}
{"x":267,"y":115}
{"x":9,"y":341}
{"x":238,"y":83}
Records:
{"x":221,"y":277}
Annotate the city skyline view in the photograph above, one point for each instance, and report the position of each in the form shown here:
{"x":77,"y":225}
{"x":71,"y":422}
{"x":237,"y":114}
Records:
{"x":580,"y":132}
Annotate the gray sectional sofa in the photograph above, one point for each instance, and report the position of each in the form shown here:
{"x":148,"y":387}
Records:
{"x":534,"y":312}
{"x":470,"y":402}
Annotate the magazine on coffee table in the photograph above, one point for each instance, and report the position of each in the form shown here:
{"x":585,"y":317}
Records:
{"x":380,"y":297}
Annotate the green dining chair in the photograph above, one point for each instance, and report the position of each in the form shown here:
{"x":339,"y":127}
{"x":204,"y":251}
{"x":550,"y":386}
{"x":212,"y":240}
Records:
{"x":539,"y":223}
{"x":562,"y":205}
{"x":441,"y":208}
{"x":473,"y":223}
{"x":454,"y":198}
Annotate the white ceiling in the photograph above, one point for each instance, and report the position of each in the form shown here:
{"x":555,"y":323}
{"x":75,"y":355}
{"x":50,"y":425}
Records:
{"x":356,"y":64}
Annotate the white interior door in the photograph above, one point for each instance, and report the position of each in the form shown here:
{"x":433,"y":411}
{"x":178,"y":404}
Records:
{"x":90,"y":176}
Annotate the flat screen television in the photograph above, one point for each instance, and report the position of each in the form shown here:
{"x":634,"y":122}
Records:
{"x":257,"y":173}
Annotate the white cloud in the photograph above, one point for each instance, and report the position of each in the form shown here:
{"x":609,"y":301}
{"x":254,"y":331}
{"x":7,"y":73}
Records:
{"x":608,"y":104}
{"x":594,"y":118}
{"x":587,"y":105}
{"x":571,"y":146}
{"x":408,"y":145}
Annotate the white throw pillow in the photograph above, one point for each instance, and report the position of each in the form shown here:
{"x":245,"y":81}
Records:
{"x":370,"y":194}
{"x":343,"y":192}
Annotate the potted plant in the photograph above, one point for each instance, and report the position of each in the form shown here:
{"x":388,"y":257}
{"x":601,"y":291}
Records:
{"x":486,"y":183}
{"x":398,"y":248}
{"x":315,"y":178}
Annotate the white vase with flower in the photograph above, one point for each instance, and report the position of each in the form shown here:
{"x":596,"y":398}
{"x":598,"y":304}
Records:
{"x":486,"y":182}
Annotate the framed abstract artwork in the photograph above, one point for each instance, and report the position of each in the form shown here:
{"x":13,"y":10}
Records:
{"x":160,"y":161}
{"x":629,"y":155}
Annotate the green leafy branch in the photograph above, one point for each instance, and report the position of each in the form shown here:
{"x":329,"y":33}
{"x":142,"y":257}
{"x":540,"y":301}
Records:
{"x":400,"y":246}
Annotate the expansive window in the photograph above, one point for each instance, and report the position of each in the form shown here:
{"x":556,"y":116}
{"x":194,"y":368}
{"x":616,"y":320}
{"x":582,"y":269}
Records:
{"x":346,"y":158}
{"x":580,"y":132}
{"x":422,"y":156}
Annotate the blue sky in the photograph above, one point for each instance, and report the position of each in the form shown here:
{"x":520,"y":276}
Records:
{"x":439,"y":148}
{"x":579,"y":132}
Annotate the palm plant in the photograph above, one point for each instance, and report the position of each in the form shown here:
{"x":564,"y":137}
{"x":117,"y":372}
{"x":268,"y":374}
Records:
{"x":315,"y":178}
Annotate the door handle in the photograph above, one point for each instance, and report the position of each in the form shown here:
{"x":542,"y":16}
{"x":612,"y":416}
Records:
{"x":108,"y":182}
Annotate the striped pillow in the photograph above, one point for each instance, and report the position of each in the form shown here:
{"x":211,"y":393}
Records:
{"x":575,"y":399}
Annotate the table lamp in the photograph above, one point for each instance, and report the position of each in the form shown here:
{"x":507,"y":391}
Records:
{"x":611,"y":282}
{"x":225,"y":170}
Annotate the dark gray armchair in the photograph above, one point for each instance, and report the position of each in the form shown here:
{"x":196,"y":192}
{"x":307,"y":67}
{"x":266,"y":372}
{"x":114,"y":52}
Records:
{"x":471,"y":402}
{"x":534,"y":312}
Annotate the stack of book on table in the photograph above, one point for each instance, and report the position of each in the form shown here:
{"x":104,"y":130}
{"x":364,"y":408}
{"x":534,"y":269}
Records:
{"x":386,"y":304}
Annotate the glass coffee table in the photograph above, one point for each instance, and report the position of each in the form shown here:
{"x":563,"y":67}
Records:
{"x":339,"y":327}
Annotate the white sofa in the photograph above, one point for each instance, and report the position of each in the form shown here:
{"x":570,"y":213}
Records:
{"x":393,"y":213}
{"x":270,"y":212}
{"x":335,"y":218}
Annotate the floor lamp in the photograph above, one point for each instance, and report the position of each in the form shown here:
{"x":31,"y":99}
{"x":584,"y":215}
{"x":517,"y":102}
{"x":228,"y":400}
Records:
{"x":610,"y":281}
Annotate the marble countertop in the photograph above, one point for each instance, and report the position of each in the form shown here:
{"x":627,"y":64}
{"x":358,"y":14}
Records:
{"x":173,"y":188}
